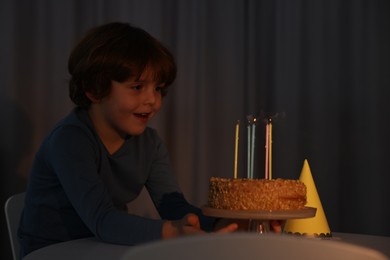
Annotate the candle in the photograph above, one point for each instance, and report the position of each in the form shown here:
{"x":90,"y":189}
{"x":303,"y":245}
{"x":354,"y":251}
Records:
{"x":236,"y":149}
{"x":266,"y":150}
{"x":249,"y":151}
{"x":270,"y":150}
{"x":253,"y":145}
{"x":268,"y":146}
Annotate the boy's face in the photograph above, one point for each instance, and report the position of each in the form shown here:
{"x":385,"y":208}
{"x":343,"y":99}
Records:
{"x":128,"y":107}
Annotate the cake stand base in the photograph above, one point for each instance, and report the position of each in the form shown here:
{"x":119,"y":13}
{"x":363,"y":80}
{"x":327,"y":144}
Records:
{"x":259,"y":226}
{"x":259,"y":220}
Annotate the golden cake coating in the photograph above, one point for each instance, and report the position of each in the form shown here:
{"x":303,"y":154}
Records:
{"x":256,"y":194}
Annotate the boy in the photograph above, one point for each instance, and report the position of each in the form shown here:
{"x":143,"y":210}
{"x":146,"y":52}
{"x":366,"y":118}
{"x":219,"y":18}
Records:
{"x":99,"y":157}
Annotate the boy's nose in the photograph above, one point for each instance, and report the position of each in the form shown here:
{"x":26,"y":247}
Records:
{"x":150,"y":96}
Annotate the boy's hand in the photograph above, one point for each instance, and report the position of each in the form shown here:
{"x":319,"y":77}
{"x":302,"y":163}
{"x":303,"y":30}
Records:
{"x":276,"y":226}
{"x":238,"y":224}
{"x":190,"y":225}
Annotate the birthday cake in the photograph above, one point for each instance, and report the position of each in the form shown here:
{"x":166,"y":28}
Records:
{"x":256,"y":194}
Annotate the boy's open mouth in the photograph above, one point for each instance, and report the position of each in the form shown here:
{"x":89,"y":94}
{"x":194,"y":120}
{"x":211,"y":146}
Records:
{"x":142,"y":115}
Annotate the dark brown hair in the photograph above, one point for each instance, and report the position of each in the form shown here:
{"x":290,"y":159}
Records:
{"x":116,"y":51}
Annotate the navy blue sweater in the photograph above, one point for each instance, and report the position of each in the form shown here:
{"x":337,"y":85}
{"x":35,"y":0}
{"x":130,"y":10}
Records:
{"x":77,"y":189}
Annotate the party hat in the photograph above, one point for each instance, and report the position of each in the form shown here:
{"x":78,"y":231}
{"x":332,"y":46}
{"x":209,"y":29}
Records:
{"x":316,"y":226}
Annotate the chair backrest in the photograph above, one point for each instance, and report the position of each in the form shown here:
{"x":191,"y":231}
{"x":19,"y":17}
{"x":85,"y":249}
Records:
{"x":250,"y":246}
{"x":13,"y":210}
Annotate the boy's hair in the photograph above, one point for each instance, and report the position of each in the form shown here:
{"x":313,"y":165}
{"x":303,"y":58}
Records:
{"x":116,"y":51}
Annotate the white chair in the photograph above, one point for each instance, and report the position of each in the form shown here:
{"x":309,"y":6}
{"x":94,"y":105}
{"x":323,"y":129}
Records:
{"x":240,"y":246}
{"x":13,"y":210}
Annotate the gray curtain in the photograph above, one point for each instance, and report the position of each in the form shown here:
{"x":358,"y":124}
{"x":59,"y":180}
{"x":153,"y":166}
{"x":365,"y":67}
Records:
{"x":322,"y":65}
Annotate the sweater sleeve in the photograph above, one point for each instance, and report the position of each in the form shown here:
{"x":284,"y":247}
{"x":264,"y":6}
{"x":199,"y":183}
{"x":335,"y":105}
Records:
{"x":73,"y":157}
{"x":165,"y":193}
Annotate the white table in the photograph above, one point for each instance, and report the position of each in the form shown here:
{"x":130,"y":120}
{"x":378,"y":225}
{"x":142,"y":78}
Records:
{"x":379,"y":243}
{"x":91,"y":248}
{"x":85,"y":248}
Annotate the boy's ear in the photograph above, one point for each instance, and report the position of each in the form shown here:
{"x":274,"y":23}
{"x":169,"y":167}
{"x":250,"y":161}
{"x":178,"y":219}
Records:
{"x":92,"y":97}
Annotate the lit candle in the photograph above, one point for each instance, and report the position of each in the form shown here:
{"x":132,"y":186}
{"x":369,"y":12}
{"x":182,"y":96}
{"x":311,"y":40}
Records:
{"x":236,"y":149}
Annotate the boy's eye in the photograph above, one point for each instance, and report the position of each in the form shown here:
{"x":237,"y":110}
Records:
{"x":136,"y":87}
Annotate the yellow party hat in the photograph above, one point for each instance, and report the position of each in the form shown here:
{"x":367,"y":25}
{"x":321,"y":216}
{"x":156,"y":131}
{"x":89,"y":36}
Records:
{"x":316,"y":226}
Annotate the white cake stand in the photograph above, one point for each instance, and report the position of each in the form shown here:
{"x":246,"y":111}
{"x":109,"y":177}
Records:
{"x":259,"y":220}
